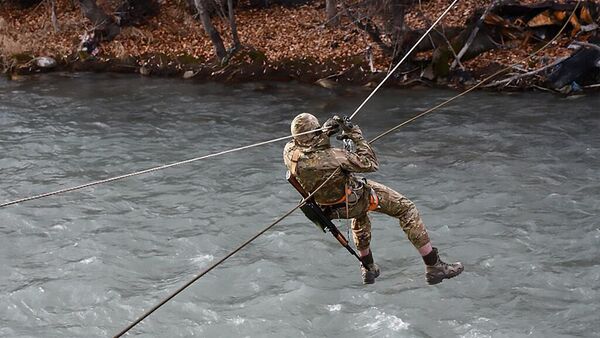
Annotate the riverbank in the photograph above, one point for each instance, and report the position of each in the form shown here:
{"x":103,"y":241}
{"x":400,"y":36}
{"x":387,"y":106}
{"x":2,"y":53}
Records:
{"x":294,"y":43}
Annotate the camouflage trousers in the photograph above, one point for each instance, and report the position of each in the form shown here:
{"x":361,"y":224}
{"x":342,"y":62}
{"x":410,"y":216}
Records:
{"x":391,"y":203}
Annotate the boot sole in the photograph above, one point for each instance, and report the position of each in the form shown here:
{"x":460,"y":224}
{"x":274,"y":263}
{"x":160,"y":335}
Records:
{"x":437,"y":280}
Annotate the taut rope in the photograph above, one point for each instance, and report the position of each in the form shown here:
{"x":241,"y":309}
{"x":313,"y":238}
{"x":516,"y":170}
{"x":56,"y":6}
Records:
{"x":179,"y":290}
{"x":335,"y":172}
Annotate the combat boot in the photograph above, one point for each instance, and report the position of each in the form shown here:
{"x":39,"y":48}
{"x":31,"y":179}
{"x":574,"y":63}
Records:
{"x":440,"y":270}
{"x":369,"y":269}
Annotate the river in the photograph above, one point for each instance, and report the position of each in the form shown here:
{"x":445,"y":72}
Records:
{"x":509,"y":184}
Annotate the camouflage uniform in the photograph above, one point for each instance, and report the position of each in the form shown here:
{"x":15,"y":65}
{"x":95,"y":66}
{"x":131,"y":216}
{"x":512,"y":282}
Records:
{"x":312,"y":160}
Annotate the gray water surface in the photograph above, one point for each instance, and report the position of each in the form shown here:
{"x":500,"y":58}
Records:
{"x":507,"y":184}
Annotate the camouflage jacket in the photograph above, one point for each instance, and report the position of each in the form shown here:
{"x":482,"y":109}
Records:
{"x":317,"y":162}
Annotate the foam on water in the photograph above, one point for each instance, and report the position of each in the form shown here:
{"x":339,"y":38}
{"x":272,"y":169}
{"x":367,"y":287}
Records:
{"x":383,"y":320}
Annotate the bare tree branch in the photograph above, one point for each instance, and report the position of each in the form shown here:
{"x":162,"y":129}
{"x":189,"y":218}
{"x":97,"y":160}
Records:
{"x":236,"y":39}
{"x":520,"y":76}
{"x":104,"y":25}
{"x":370,"y":28}
{"x":53,"y":15}
{"x":210,"y":30}
{"x":473,"y":34}
{"x":331,"y":9}
{"x":586,"y":44}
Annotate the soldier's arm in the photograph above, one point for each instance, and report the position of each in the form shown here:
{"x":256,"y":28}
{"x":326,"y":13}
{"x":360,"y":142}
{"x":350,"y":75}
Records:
{"x":363,"y":160}
{"x":287,"y":154}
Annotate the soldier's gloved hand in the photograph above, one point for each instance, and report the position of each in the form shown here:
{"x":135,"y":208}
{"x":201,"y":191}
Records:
{"x":344,"y":123}
{"x":342,"y":136}
{"x":331,"y":126}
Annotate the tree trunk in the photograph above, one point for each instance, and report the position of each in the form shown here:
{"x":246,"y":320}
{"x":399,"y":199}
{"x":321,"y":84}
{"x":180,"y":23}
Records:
{"x":332,"y":16}
{"x":369,"y":27}
{"x":471,"y":37}
{"x":105,"y":29}
{"x":258,"y":3}
{"x":209,"y":28}
{"x":136,"y":12}
{"x":53,"y":16}
{"x":25,"y":3}
{"x":236,"y":39}
{"x":397,"y":8}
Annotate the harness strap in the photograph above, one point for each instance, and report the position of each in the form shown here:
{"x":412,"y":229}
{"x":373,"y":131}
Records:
{"x":343,"y":199}
{"x":294,"y":160}
{"x":373,"y":200}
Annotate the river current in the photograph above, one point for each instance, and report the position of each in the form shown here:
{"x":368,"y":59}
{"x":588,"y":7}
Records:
{"x":509,"y":184}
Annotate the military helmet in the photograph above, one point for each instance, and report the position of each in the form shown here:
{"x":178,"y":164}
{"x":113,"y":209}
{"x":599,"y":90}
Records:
{"x":302,"y":123}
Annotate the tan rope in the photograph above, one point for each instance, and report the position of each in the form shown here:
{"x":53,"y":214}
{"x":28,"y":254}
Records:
{"x":403,"y":58}
{"x":147,"y":313}
{"x":478,"y":84}
{"x":220,"y":261}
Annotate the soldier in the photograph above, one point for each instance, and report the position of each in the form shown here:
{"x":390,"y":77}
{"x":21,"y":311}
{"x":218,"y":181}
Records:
{"x":311,"y":159}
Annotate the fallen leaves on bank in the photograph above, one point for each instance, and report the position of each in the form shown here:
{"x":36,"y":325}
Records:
{"x":276,"y":33}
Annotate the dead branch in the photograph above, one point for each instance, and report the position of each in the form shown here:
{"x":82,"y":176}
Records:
{"x":53,"y":15}
{"x":442,"y":34}
{"x":520,"y":76}
{"x":333,"y":18}
{"x":474,"y":32}
{"x":586,"y":44}
{"x":210,"y":29}
{"x":370,"y":28}
{"x":544,"y":89}
{"x":369,"y":57}
{"x":456,"y":58}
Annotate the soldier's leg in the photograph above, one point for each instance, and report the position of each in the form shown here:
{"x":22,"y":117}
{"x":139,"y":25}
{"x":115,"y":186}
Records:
{"x":361,"y":234}
{"x":397,"y":205}
{"x":394,"y":204}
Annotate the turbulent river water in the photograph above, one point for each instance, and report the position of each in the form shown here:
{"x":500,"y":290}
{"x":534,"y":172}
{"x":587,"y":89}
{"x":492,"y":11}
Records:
{"x":507,"y":184}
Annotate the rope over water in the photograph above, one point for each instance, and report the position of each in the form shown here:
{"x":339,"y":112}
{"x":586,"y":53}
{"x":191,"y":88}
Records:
{"x":179,"y":290}
{"x":146,"y":171}
{"x":403,"y":59}
{"x":335,"y":172}
{"x":278,"y":220}
{"x":214,"y":265}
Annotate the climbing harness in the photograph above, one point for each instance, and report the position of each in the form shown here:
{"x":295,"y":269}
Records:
{"x":373,"y":200}
{"x":314,"y":212}
{"x":344,"y":200}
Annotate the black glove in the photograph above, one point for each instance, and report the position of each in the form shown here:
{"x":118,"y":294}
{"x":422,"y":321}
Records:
{"x":344,"y":122}
{"x":342,"y":136}
{"x":331,"y":126}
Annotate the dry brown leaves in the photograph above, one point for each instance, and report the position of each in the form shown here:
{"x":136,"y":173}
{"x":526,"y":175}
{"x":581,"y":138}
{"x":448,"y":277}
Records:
{"x":281,"y":33}
{"x":422,"y":15}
